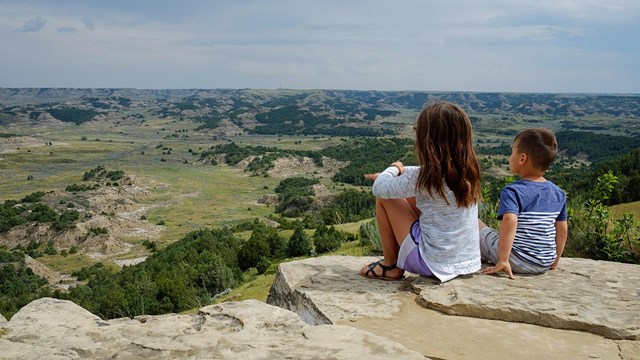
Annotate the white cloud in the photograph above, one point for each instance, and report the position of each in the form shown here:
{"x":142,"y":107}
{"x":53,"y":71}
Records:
{"x":492,"y":45}
{"x":33,"y":25}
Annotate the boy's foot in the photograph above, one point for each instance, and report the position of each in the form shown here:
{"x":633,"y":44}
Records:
{"x":380,"y":271}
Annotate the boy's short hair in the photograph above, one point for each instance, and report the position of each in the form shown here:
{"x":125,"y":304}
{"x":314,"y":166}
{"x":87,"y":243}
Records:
{"x":539,"y":144}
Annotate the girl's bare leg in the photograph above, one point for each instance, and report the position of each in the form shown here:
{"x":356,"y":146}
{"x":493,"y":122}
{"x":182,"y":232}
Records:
{"x":390,"y":246}
{"x":394,"y":218}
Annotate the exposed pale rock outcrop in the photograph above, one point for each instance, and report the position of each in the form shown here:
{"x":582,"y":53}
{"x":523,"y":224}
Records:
{"x":595,"y":296}
{"x":58,"y":329}
{"x":599,"y":299}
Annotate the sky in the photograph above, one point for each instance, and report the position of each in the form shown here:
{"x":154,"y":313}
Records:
{"x":558,"y":46}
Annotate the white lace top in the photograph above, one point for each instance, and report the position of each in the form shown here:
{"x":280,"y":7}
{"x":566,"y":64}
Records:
{"x":450,"y":240}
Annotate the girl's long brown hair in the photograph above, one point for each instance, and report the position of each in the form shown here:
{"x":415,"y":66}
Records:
{"x":444,"y":148}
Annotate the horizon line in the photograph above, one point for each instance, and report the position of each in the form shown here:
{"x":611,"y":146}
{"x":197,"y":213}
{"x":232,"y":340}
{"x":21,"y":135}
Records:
{"x":324,"y":89}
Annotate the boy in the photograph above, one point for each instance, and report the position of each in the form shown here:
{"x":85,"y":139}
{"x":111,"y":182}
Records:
{"x":533,"y":213}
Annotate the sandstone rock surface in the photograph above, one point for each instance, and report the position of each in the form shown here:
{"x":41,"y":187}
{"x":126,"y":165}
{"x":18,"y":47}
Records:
{"x":595,"y":296}
{"x":58,"y":329}
{"x":600,"y":299}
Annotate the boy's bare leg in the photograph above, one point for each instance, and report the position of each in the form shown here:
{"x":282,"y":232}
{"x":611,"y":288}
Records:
{"x":481,"y":225}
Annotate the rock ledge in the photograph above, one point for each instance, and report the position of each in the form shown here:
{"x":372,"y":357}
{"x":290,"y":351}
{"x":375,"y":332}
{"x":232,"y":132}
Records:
{"x":58,"y":329}
{"x":585,"y":309}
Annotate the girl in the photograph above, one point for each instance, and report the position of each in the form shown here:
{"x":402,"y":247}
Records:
{"x":428,"y":214}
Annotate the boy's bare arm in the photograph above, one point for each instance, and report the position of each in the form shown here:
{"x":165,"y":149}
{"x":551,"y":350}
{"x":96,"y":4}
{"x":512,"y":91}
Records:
{"x":562,"y":230}
{"x":507,"y":233}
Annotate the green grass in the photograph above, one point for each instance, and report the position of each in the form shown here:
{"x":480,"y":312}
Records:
{"x":257,"y":286}
{"x":353,"y":228}
{"x":619,"y":210}
{"x":192,"y":197}
{"x":66,"y":264}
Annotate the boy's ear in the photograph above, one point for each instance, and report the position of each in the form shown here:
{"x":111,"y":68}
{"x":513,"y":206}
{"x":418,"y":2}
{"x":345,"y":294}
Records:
{"x":523,"y":158}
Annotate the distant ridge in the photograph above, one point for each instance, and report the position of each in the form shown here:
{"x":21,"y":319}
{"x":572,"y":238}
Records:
{"x":558,"y":104}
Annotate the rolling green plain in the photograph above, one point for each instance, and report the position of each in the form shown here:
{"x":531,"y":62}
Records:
{"x":185,"y":194}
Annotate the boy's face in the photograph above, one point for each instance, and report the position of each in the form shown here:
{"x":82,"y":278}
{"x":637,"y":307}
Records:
{"x":514,"y":159}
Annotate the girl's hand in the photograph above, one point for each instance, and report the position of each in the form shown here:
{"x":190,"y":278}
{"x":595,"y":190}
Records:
{"x":372,"y":177}
{"x":400,"y":167}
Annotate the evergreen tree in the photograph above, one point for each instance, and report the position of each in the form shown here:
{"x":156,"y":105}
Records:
{"x":299,"y":244}
{"x":252,"y":252}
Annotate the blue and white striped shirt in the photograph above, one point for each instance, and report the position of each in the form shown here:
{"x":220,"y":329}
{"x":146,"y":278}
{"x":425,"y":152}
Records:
{"x":538,"y":206}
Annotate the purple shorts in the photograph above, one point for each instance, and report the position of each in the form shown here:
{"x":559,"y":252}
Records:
{"x":409,"y":257}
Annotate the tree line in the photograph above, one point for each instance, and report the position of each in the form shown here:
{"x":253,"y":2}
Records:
{"x":187,"y":274}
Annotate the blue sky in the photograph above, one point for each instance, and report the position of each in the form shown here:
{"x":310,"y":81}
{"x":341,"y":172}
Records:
{"x":444,"y":45}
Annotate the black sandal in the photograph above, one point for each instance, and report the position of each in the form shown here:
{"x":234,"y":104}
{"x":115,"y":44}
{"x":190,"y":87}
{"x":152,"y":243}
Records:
{"x":371,"y":274}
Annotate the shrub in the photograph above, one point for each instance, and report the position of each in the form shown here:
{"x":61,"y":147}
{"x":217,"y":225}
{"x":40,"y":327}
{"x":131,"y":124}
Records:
{"x":263,"y":265}
{"x":370,"y":238}
{"x":349,"y":206}
{"x":277,"y":245}
{"x":78,"y":188}
{"x":296,"y":184}
{"x":42,"y":214}
{"x":34,"y":253}
{"x":50,"y":250}
{"x":94,"y":173}
{"x":150,"y":245}
{"x":98,"y":230}
{"x":18,"y":285}
{"x":33,"y":197}
{"x":66,"y":220}
{"x":595,"y":234}
{"x":327,"y":239}
{"x":252,"y":252}
{"x":115,"y":175}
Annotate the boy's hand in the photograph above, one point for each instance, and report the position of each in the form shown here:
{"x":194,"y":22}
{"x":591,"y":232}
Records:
{"x":500,"y":266}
